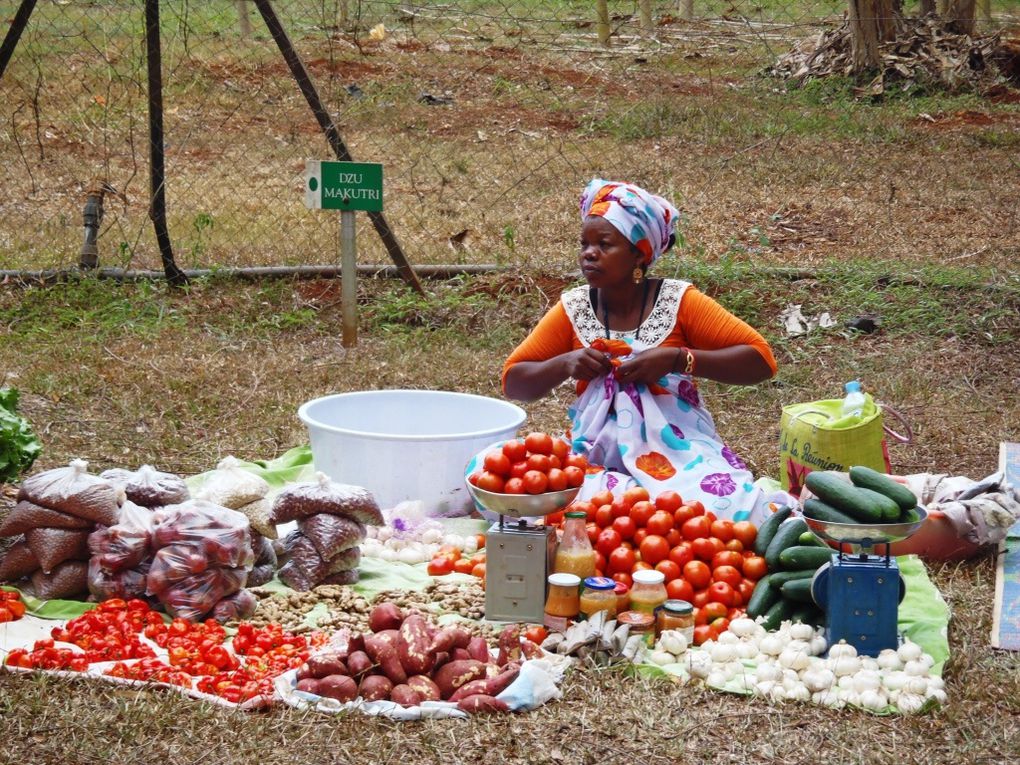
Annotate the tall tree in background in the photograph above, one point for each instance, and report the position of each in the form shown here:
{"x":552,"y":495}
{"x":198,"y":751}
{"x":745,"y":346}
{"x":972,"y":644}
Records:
{"x":873,"y":22}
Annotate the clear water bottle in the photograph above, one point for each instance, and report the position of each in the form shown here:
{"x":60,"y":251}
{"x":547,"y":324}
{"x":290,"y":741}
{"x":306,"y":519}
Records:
{"x":853,"y":403}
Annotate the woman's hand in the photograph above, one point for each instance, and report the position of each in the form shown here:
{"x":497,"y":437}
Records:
{"x":530,"y":380}
{"x":586,"y":364}
{"x":647,"y":367}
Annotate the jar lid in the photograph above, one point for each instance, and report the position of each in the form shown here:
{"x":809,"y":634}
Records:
{"x":678,"y":607}
{"x":600,"y":583}
{"x":621,"y":588}
{"x":565,"y":580}
{"x":576,"y":514}
{"x":636,"y":619}
{"x":648,"y":577}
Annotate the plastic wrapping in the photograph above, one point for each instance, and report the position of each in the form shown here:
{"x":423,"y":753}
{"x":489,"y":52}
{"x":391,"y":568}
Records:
{"x":147,"y":486}
{"x":196,"y":596}
{"x":27,"y":515}
{"x":125,"y":545}
{"x":51,"y":547}
{"x":235,"y":607}
{"x":303,"y":555}
{"x":68,"y":579}
{"x":332,"y":534}
{"x":260,"y":516}
{"x":74,"y":490}
{"x":324,"y":496}
{"x":126,"y":584}
{"x":343,"y":577}
{"x":18,"y":562}
{"x":295,"y":578}
{"x":221,"y":534}
{"x":260,"y":575}
{"x":230,"y":485}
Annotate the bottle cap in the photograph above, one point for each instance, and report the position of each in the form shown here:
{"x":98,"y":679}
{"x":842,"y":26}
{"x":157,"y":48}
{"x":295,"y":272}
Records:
{"x":678,"y":607}
{"x":648,"y":577}
{"x":576,"y":514}
{"x":600,"y":583}
{"x":565,"y":580}
{"x":853,"y":386}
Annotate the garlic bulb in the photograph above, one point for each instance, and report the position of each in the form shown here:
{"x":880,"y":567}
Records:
{"x":909,"y":651}
{"x":909,"y":703}
{"x":698,"y":663}
{"x":793,"y":659}
{"x":844,"y":665}
{"x":842,"y":648}
{"x":818,"y":679}
{"x":772,"y":645}
{"x":661,"y":658}
{"x":768,"y":672}
{"x":742,"y":628}
{"x":889,"y":660}
{"x":916,"y":684}
{"x":802,"y":631}
{"x":873,"y":700}
{"x":915,"y":668}
{"x":867,"y":680}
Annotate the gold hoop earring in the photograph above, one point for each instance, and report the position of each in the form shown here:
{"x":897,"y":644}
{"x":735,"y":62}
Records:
{"x":637,"y":274}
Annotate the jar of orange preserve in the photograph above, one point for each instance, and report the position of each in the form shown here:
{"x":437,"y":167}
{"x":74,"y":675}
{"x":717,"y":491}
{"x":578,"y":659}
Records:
{"x":599,"y":594}
{"x":563,"y":601}
{"x":649,"y":591}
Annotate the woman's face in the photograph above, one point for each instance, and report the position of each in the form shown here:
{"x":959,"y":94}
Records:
{"x":607,"y":257}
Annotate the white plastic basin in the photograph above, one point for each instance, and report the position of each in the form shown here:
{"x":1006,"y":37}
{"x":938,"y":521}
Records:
{"x":406,"y":444}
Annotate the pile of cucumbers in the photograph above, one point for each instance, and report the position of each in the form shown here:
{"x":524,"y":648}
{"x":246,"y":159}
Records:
{"x":793,"y":554}
{"x":870,"y":498}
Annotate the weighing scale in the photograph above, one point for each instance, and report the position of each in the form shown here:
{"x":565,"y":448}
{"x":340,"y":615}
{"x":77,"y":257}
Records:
{"x":519,"y":555}
{"x":865,"y":588}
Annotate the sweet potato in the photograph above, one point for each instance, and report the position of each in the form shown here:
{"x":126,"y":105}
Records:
{"x":375,"y":688}
{"x":385,"y":655}
{"x":405,"y":695}
{"x":304,"y":672}
{"x":339,"y":687}
{"x":385,"y":616}
{"x":429,"y":690}
{"x":473,"y":688}
{"x":482,"y":704}
{"x":309,"y":685}
{"x":390,"y":636}
{"x":326,"y":664}
{"x":488,"y":686}
{"x":509,"y":644}
{"x":531,"y":650}
{"x":358,"y":663}
{"x":459,"y":654}
{"x":356,"y":642}
{"x":413,"y":646}
{"x":478,"y":649}
{"x":450,"y":637}
{"x":441,"y":658}
{"x":454,"y":674}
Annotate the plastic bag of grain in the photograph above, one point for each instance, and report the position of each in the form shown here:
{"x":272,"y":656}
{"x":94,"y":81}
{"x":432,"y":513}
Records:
{"x":230,"y":485}
{"x":27,"y":515}
{"x":323,"y":495}
{"x":18,"y":562}
{"x":51,"y":547}
{"x":74,"y":490}
{"x":67,"y":580}
{"x":147,"y":486}
{"x":332,"y":534}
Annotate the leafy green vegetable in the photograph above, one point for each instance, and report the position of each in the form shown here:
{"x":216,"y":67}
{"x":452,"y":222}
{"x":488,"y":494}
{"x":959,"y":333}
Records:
{"x":18,"y":445}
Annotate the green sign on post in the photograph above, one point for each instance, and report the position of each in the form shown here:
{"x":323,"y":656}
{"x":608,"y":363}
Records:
{"x":343,"y":186}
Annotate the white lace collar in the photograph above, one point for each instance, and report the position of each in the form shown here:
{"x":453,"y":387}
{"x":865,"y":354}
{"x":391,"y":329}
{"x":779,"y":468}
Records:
{"x":656,"y":328}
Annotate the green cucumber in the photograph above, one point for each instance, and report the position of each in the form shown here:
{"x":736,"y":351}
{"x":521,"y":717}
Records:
{"x":768,"y":528}
{"x":811,"y":538}
{"x":822,"y":511}
{"x":798,"y":589}
{"x":867,"y":478}
{"x":778,"y":579}
{"x":808,"y":614}
{"x":890,"y":510}
{"x":763,"y":598}
{"x":843,"y":496}
{"x":780,"y":612}
{"x":786,"y":536}
{"x":804,"y":557}
{"x":910,"y":516}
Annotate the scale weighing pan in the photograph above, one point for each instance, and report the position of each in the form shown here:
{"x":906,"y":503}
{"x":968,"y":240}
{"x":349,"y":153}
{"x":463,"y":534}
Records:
{"x":523,"y":505}
{"x":865,"y":535}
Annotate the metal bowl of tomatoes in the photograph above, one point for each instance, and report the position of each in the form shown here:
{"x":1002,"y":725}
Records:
{"x":523,"y":505}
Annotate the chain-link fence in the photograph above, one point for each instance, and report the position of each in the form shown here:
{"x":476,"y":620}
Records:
{"x":483,"y":112}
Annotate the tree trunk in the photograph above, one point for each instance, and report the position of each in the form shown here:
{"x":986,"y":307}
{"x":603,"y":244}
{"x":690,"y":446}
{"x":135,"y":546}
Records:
{"x":960,"y":16}
{"x":927,"y":7}
{"x":871,"y":22}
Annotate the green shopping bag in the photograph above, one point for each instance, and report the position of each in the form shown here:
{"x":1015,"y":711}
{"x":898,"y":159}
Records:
{"x":817,"y":436}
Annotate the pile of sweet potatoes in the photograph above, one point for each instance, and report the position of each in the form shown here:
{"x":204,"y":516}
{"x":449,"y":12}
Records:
{"x":409,"y":660}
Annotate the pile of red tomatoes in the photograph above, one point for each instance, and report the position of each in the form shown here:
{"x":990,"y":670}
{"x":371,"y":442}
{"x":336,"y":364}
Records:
{"x":538,"y":464}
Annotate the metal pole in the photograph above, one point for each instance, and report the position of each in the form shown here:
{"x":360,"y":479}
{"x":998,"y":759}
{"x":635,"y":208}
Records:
{"x":14,"y":33}
{"x":157,"y":176}
{"x":304,"y":81}
{"x":348,"y":279}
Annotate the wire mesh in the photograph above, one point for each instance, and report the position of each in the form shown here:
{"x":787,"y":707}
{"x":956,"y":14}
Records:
{"x":482,"y":112}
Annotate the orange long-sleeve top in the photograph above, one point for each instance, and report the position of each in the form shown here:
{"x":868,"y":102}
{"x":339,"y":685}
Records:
{"x":702,"y":323}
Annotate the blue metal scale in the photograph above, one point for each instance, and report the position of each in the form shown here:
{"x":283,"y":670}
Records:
{"x":860,"y":591}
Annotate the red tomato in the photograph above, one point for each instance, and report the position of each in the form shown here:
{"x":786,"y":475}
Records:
{"x":683,"y":514}
{"x":498,"y":463}
{"x":576,"y":460}
{"x":674,"y":537}
{"x":604,"y":497}
{"x":727,"y":574}
{"x":575,"y":476}
{"x":698,"y":527}
{"x":735,"y":545}
{"x":718,"y":626}
{"x":735,"y":613}
{"x":557,"y":480}
{"x":641,"y":566}
{"x":702,"y":633}
{"x":478,"y":570}
{"x":713,"y":610}
{"x":582,"y":506}
{"x":463,"y":566}
{"x":608,"y":540}
{"x":681,"y":554}
{"x":679,"y":589}
{"x":745,"y":589}
{"x":698,"y":574}
{"x":625,"y":526}
{"x":554,"y":462}
{"x":639,"y":536}
{"x":560,"y":449}
{"x":440,"y":565}
{"x":473,"y":478}
{"x":721,"y":592}
{"x":660,"y":523}
{"x":518,"y":469}
{"x":624,"y":577}
{"x":669,"y":570}
{"x":636,"y":494}
{"x":592,"y":530}
{"x":490,"y":482}
{"x":728,"y":558}
{"x":604,"y":516}
{"x":514,"y":486}
{"x":621,"y":559}
{"x":553,"y":519}
{"x":539,"y":462}
{"x":600,"y":561}
{"x":722,"y":530}
{"x":697,"y":507}
{"x":703,"y":549}
{"x":654,"y":549}
{"x":620,"y":507}
{"x":536,"y":633}
{"x":539,"y":443}
{"x":515,"y":451}
{"x":745,"y":532}
{"x":641,"y":512}
{"x":754,"y":567}
{"x":535,"y":482}
{"x":668,"y":501}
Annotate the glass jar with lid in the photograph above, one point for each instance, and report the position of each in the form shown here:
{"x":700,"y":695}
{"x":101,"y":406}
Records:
{"x":562,"y":604}
{"x":676,"y":615}
{"x":648,"y":592}
{"x":641,"y":623}
{"x":575,"y":555}
{"x":599,"y":594}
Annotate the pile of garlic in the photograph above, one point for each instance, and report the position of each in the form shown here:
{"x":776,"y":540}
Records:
{"x":419,"y":544}
{"x":789,"y":666}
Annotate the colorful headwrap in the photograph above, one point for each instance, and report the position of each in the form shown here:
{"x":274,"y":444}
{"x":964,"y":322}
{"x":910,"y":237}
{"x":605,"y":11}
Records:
{"x":647,"y":220}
